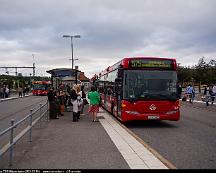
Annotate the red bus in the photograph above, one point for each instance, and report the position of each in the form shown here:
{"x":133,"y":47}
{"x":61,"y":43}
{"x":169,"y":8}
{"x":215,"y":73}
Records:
{"x":140,"y":88}
{"x":40,"y":87}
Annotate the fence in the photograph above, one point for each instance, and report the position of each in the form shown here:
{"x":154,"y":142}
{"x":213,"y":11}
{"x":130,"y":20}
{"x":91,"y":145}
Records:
{"x":32,"y":119}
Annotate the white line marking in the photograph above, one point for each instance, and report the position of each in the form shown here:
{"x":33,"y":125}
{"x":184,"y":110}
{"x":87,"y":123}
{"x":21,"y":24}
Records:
{"x":134,"y":153}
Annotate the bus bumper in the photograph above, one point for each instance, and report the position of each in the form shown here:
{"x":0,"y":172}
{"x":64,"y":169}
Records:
{"x":129,"y":116}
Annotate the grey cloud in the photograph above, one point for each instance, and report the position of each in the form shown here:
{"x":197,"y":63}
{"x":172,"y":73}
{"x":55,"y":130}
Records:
{"x":109,"y":30}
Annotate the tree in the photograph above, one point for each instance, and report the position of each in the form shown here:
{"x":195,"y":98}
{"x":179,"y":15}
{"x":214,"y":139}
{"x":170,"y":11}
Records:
{"x":202,"y":73}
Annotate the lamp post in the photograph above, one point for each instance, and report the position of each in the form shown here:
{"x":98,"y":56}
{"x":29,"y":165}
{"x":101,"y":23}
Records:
{"x":30,"y":80}
{"x":71,"y":37}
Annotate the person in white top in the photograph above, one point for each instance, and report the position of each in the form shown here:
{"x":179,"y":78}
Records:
{"x":214,"y":89}
{"x":213,"y":93}
{"x":73,"y":96}
{"x":83,"y":97}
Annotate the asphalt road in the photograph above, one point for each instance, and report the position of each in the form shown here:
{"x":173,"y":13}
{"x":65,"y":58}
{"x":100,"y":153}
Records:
{"x":18,"y":108}
{"x":189,"y":143}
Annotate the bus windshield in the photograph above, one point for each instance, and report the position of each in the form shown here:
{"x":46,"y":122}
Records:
{"x":149,"y":85}
{"x":40,"y":87}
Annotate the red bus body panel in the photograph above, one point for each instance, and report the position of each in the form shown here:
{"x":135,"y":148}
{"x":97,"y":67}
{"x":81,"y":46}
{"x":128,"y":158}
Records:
{"x":39,"y":91}
{"x":140,"y":110}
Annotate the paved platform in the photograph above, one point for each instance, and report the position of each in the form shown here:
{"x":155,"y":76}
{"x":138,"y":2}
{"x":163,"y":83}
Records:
{"x":64,"y":144}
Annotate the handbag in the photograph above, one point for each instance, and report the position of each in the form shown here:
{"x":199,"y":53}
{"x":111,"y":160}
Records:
{"x":85,"y":102}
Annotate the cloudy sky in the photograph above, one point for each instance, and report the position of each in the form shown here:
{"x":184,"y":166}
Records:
{"x":109,"y":29}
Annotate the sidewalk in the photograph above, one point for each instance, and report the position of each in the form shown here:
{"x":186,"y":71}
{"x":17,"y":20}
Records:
{"x":64,"y":144}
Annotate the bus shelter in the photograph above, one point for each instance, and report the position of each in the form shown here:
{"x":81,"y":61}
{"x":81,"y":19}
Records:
{"x":64,"y":76}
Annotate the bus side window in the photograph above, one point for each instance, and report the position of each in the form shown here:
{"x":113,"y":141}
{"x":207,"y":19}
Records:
{"x":117,"y":87}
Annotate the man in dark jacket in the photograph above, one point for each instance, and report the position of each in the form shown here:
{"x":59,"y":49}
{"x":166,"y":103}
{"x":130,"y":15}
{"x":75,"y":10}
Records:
{"x":52,"y":105}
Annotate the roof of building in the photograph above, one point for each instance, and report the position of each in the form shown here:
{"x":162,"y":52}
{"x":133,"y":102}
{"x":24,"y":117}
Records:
{"x":83,"y":78}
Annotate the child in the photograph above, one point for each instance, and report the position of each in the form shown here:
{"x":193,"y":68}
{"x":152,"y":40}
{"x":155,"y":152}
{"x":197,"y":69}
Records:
{"x":74,"y":102}
{"x":80,"y":104}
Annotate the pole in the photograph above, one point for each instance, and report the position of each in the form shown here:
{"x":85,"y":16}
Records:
{"x":33,"y":66}
{"x":72,"y":51}
{"x":76,"y":76}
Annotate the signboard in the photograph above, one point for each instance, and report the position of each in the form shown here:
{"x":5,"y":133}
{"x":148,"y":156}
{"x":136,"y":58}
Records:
{"x":63,"y":73}
{"x":151,"y":63}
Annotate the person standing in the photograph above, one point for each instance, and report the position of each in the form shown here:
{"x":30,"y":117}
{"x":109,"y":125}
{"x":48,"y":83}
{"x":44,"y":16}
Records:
{"x":190,"y":91}
{"x":52,"y":105}
{"x":80,"y":105}
{"x":84,"y":101}
{"x":20,"y":91}
{"x":74,"y":102}
{"x":59,"y":102}
{"x":205,"y":91}
{"x":213,"y":93}
{"x":179,"y":90}
{"x":94,"y":98}
{"x":7,"y":91}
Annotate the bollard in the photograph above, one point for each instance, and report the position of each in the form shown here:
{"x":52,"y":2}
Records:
{"x":11,"y":143}
{"x":30,"y":124}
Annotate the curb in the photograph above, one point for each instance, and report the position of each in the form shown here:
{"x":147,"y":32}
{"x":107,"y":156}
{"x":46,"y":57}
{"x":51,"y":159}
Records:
{"x":12,"y":98}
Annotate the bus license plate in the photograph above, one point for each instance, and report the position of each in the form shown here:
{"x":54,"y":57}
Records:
{"x":153,"y":117}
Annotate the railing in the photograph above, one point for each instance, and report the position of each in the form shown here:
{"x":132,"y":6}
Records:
{"x":33,"y":119}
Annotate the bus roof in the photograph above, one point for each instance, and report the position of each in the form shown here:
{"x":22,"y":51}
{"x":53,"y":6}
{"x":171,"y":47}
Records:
{"x":41,"y":82}
{"x":126,"y":61}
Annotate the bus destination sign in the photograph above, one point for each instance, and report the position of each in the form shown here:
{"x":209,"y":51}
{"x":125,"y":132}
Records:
{"x":151,"y":63}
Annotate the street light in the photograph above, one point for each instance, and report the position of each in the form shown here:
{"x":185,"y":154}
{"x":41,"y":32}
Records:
{"x":71,"y":37}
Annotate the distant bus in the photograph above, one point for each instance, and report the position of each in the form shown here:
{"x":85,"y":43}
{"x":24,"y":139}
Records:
{"x":140,"y":88}
{"x":40,"y":87}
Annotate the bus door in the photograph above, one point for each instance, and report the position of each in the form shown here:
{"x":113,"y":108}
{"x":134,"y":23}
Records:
{"x":118,"y":91}
{"x":105,"y":97}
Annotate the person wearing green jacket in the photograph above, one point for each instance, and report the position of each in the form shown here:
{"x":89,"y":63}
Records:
{"x":94,"y":98}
